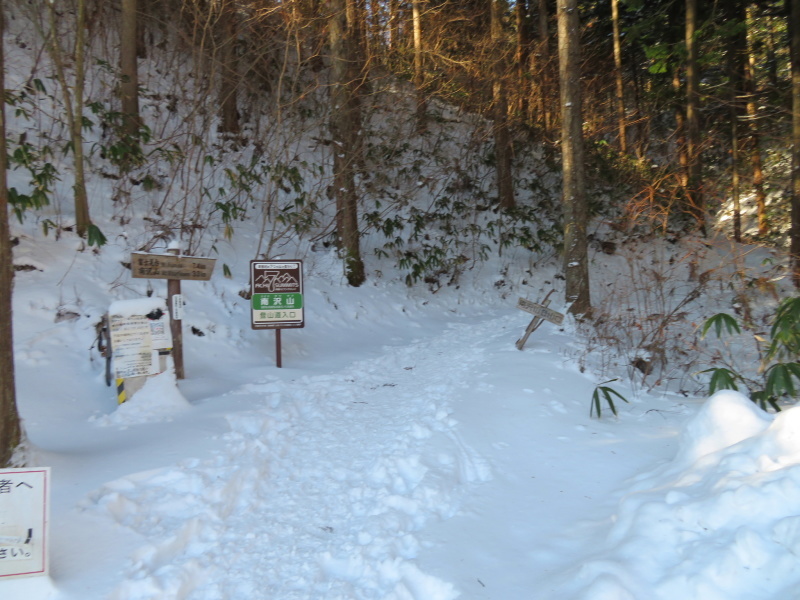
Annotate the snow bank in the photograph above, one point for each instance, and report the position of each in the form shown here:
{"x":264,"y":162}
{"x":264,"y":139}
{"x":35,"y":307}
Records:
{"x":721,"y":521}
{"x":158,"y":400}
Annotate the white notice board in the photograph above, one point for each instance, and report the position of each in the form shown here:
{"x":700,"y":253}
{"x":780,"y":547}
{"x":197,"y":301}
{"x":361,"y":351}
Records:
{"x":24,"y":521}
{"x":136,"y":339}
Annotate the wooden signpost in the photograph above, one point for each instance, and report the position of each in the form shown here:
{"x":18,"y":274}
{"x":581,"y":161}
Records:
{"x":171,"y":266}
{"x":541,"y":314}
{"x":276,"y":296}
{"x":174,"y":268}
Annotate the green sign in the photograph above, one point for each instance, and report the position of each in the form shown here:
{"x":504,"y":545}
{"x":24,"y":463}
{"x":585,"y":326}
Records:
{"x":277,"y":301}
{"x":277,"y":294}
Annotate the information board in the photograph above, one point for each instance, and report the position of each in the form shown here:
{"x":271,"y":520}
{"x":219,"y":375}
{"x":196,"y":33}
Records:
{"x":24,"y":521}
{"x":136,"y":341}
{"x":276,"y":289}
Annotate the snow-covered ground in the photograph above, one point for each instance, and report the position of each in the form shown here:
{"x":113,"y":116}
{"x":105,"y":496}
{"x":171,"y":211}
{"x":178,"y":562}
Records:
{"x":406,"y":450}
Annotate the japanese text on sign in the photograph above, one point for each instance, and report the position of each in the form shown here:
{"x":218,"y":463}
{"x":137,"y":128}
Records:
{"x":136,"y":340}
{"x":276,"y":294}
{"x":540,"y":311}
{"x":24,"y":505}
{"x":169,"y":266}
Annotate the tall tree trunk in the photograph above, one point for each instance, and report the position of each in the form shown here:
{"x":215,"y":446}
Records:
{"x":735,"y":179}
{"x":376,"y":43}
{"x":642,"y":127}
{"x":576,"y":214}
{"x":522,"y":55}
{"x":82,"y":218}
{"x":794,"y":28}
{"x":394,"y":19}
{"x":502,"y":143}
{"x":129,"y":84}
{"x":680,"y":132}
{"x":344,"y":126}
{"x":695,"y":201}
{"x":357,"y":25}
{"x":543,"y":50}
{"x":772,"y":56}
{"x":419,"y":75}
{"x":359,"y":73}
{"x":228,"y":69}
{"x":145,"y":11}
{"x":735,"y":143}
{"x":754,"y":139}
{"x":73,"y":103}
{"x":10,"y":428}
{"x":315,"y":35}
{"x":736,"y":65}
{"x":620,"y":84}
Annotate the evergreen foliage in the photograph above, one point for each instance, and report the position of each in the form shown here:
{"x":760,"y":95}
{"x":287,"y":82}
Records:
{"x":779,"y":366}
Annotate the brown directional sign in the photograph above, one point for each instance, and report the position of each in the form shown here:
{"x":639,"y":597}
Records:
{"x":277,"y":294}
{"x":169,"y":266}
{"x":538,"y":310}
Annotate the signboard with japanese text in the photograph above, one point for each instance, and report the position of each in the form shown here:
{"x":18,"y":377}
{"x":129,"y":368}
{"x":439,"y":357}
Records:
{"x":138,"y":340}
{"x":24,"y":521}
{"x":276,"y":294}
{"x":170,"y":266}
{"x":548,"y":314}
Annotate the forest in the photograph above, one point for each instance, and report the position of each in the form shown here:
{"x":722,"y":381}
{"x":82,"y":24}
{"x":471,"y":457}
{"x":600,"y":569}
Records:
{"x":432,"y":133}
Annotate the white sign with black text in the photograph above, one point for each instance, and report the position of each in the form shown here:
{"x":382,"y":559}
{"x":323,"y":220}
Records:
{"x":24,"y":521}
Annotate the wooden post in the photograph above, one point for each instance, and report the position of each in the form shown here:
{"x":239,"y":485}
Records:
{"x":278,"y":348}
{"x":176,"y":327}
{"x":541,"y":314}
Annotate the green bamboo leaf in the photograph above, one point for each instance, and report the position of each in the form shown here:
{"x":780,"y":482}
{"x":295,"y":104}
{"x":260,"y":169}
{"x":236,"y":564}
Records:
{"x":785,"y":331}
{"x":794,"y":369}
{"x":603,"y":392}
{"x":721,"y":379}
{"x":596,"y":404}
{"x":779,"y":381}
{"x":720,"y":321}
{"x":95,"y":237}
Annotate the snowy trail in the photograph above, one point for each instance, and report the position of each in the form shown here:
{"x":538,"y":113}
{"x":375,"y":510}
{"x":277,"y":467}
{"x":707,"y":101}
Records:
{"x":318,"y":493}
{"x":556,"y":471}
{"x":339,"y":477}
{"x":445,"y":464}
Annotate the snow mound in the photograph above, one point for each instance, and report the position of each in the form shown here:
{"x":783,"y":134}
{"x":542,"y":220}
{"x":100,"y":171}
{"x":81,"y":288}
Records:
{"x":725,"y":419}
{"x":721,"y":521}
{"x":158,"y":400}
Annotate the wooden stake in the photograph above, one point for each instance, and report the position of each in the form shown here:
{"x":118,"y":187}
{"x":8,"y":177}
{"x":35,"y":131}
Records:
{"x":278,"y":348}
{"x":176,"y":328}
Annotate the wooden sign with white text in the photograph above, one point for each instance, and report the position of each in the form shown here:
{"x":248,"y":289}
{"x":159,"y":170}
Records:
{"x":169,"y":266}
